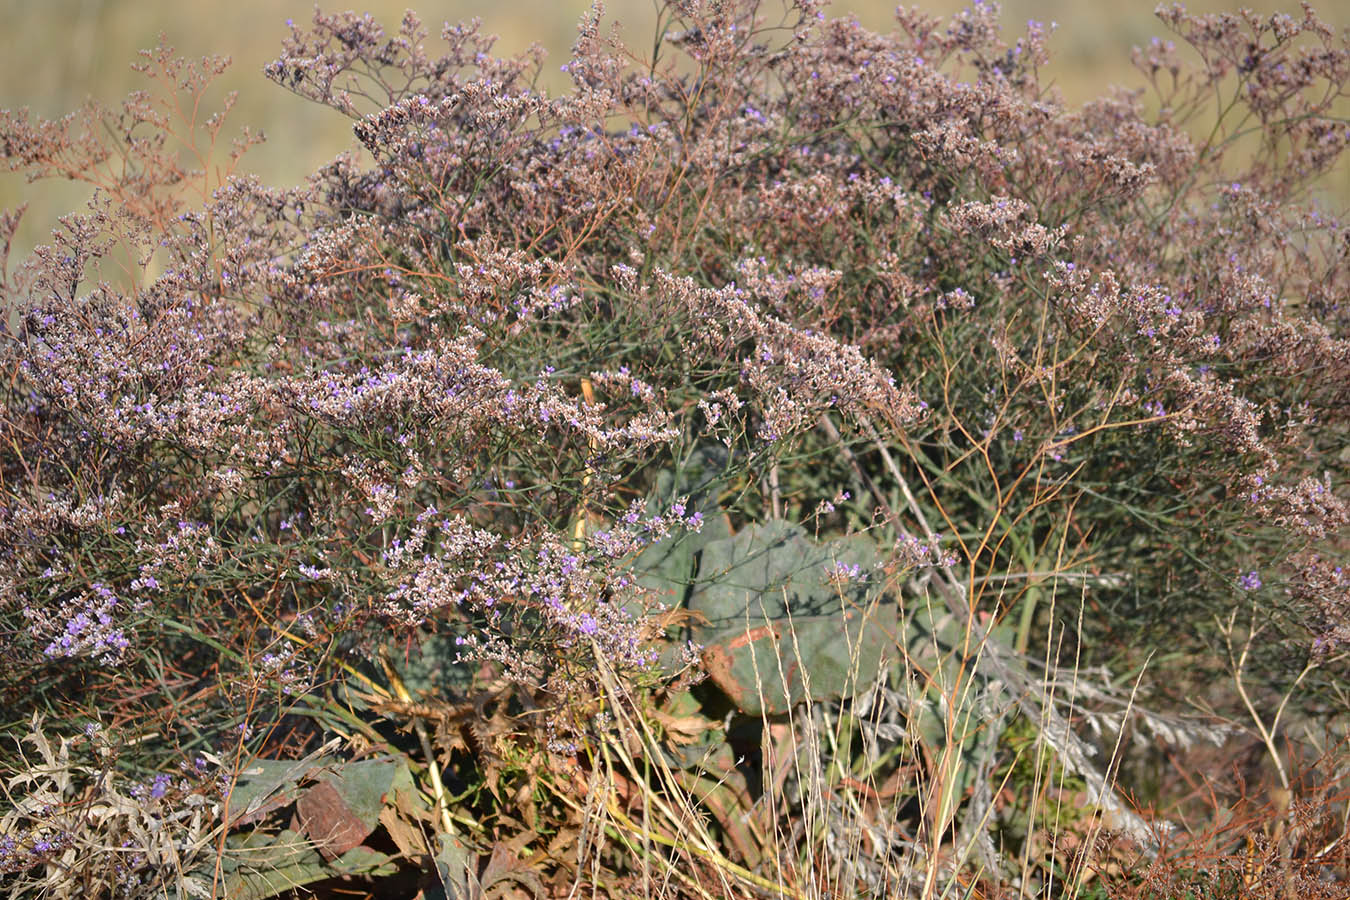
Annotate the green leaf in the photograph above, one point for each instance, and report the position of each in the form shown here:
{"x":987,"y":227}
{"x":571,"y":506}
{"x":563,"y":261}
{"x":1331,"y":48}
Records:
{"x":667,"y":566}
{"x":942,"y":679}
{"x":431,"y":668}
{"x":258,"y":866}
{"x":456,"y":866}
{"x":343,"y":809}
{"x":778,"y":630}
{"x":267,"y":784}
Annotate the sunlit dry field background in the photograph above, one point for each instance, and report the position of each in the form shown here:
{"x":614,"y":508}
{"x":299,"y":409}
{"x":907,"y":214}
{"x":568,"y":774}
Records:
{"x":59,"y":52}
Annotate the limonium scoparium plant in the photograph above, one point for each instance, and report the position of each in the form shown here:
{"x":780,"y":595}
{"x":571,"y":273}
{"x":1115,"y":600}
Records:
{"x":255,"y":433}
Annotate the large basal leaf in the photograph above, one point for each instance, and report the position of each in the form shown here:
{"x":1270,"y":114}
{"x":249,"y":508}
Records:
{"x":944,"y":688}
{"x":268,"y":784}
{"x":432,"y":668}
{"x":456,"y":870}
{"x":336,"y":813}
{"x":340,"y":811}
{"x":257,"y":865}
{"x":780,"y":629}
{"x":667,"y":566}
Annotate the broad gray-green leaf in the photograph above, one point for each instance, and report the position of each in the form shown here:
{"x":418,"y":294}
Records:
{"x":265,"y":784}
{"x":258,"y":866}
{"x":342,"y":809}
{"x":667,"y":566}
{"x":779,"y":629}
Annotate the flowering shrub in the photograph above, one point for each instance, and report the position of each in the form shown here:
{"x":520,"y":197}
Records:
{"x":256,"y":438}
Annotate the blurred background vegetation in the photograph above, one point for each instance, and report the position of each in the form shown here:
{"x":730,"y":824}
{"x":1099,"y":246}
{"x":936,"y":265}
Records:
{"x":61,"y":51}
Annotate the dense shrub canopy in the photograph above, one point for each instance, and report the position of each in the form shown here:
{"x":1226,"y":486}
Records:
{"x":1093,"y":363}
